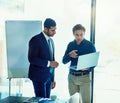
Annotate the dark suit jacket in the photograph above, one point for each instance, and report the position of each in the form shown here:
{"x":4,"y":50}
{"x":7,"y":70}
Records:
{"x":38,"y":56}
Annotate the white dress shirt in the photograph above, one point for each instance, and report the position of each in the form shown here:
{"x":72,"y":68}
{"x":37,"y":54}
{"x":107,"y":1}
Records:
{"x":47,"y":38}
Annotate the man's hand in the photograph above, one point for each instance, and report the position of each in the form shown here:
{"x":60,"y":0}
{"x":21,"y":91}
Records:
{"x":54,"y":64}
{"x":73,"y":54}
{"x":53,"y":85}
{"x":84,"y":69}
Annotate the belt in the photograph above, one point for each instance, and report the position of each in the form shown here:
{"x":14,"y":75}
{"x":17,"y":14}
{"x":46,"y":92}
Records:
{"x":79,"y":73}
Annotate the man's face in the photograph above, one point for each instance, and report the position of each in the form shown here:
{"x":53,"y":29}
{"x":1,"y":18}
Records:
{"x":79,"y":35}
{"x":51,"y":31}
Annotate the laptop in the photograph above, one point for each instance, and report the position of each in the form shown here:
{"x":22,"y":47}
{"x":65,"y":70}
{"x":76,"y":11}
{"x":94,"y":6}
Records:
{"x":87,"y":61}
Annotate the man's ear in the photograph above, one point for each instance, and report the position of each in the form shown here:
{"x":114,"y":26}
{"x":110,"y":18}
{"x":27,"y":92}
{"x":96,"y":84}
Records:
{"x":45,"y":28}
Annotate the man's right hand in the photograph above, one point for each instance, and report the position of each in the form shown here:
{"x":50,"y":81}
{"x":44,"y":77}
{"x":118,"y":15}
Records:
{"x":73,"y":54}
{"x":54,"y":64}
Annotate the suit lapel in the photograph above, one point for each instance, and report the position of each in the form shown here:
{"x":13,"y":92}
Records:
{"x":46,"y":46}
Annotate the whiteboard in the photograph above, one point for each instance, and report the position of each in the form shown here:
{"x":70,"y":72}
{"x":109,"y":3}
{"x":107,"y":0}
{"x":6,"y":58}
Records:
{"x":18,"y":34}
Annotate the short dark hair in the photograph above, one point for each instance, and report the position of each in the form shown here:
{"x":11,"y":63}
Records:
{"x":78,"y":27}
{"x":49,"y":23}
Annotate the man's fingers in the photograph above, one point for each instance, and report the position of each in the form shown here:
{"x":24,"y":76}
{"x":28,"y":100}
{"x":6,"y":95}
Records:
{"x":76,"y":54}
{"x":75,"y":51}
{"x":54,"y":64}
{"x":73,"y":54}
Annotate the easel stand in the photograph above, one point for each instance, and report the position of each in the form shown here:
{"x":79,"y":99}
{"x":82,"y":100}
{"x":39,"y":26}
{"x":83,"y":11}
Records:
{"x":19,"y":91}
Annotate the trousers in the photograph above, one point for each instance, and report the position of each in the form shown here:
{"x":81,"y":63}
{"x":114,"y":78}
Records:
{"x":42,"y":89}
{"x":80,"y":84}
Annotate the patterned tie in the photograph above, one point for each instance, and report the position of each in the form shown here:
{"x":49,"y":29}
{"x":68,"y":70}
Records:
{"x":50,"y":48}
{"x":51,"y":53}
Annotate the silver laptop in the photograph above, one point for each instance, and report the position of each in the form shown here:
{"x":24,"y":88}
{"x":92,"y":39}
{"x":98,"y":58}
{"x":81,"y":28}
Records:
{"x":86,"y":61}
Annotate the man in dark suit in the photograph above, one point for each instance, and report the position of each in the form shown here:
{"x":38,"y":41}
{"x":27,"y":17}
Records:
{"x":42,"y":61}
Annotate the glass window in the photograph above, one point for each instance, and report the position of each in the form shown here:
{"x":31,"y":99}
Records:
{"x":107,"y":74}
{"x":67,"y":13}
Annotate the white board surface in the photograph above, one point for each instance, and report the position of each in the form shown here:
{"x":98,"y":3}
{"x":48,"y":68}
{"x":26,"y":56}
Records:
{"x":18,"y":34}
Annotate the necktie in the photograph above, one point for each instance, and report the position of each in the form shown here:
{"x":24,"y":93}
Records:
{"x":51,"y":54}
{"x":50,"y":48}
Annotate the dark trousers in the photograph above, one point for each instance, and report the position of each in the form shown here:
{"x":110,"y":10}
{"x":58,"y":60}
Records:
{"x":42,"y":89}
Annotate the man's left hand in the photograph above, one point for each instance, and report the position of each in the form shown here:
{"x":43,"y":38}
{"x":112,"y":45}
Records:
{"x":53,"y":85}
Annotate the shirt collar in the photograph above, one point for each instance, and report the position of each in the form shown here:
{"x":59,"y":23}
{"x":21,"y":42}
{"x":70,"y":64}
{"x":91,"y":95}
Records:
{"x":82,"y":42}
{"x":46,"y":36}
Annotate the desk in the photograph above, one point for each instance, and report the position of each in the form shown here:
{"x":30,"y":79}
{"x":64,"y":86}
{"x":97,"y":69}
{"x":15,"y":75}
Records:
{"x":13,"y":99}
